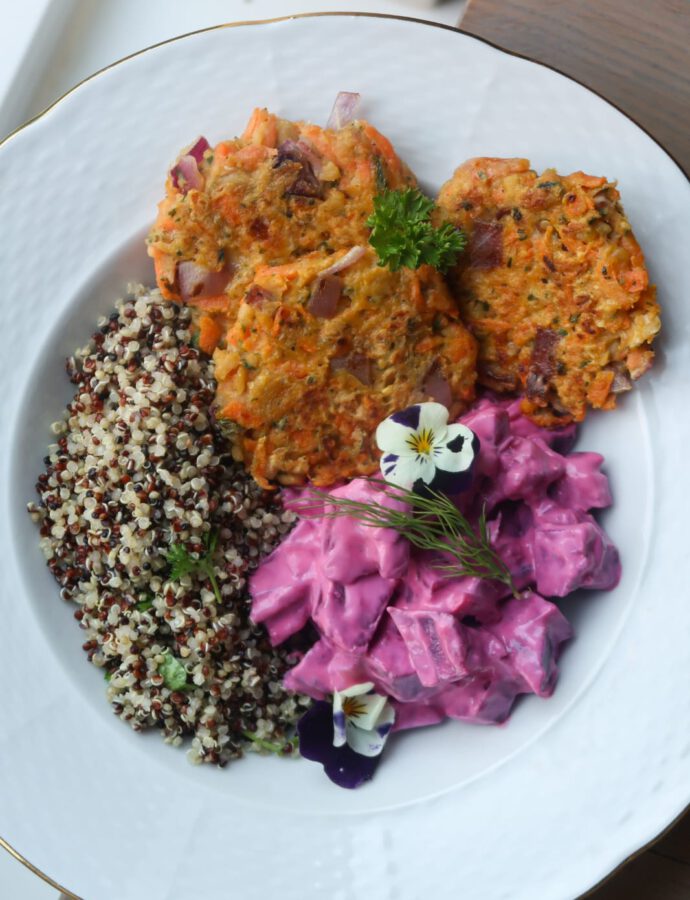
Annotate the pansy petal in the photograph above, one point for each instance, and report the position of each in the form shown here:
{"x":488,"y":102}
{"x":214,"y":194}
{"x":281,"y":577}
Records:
{"x":355,"y":690}
{"x":364,"y":743}
{"x":448,"y":483}
{"x":339,"y":729}
{"x":348,"y":769}
{"x":411,"y":469}
{"x":458,"y":450}
{"x":408,"y":416}
{"x":370,"y":742}
{"x":394,"y":437}
{"x":434,"y":417}
{"x":372,"y":706}
{"x":386,"y":720}
{"x":315,"y":730}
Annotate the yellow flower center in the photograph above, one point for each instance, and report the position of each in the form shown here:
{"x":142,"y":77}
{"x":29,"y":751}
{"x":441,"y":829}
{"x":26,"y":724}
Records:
{"x":422,"y":441}
{"x":353,"y":707}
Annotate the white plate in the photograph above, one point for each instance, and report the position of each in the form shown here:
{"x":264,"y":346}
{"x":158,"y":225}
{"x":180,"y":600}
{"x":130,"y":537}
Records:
{"x":543,"y":807}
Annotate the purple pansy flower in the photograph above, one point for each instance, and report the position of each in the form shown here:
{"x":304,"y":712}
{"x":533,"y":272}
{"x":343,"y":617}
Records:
{"x":347,"y":738}
{"x":421,"y":449}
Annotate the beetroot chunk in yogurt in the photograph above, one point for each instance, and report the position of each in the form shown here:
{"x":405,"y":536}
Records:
{"x":460,"y":647}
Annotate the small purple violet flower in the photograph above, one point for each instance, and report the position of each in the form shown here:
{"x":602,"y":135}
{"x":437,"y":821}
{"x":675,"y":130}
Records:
{"x":347,"y":738}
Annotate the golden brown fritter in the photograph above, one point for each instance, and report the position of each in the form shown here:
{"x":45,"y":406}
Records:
{"x":313,"y":364}
{"x":553,"y":284}
{"x":307,"y":361}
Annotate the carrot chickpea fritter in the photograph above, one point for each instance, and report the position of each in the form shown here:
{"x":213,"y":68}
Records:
{"x":314,"y":342}
{"x":553,"y":285}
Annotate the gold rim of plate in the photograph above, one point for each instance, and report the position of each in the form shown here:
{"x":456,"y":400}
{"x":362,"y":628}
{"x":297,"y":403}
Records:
{"x":4,"y":843}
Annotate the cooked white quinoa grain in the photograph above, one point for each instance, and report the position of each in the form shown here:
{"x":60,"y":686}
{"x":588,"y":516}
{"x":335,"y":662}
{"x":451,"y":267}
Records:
{"x":140,"y":465}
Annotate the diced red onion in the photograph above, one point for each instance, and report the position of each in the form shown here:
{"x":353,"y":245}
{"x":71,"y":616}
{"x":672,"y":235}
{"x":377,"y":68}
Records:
{"x":486,"y":245}
{"x":307,"y":183}
{"x":256,"y":295}
{"x":324,"y":300}
{"x":195,"y":282}
{"x":344,"y":110}
{"x":185,"y":175}
{"x":436,"y":386}
{"x":351,"y":257}
{"x":199,"y":148}
{"x":621,"y":381}
{"x":355,"y":364}
{"x":187,"y":166}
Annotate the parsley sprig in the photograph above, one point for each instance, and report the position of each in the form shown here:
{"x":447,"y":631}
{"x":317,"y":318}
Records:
{"x":182,"y":562}
{"x":403,"y":235}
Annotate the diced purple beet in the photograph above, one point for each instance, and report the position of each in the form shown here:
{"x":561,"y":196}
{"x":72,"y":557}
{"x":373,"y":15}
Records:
{"x":547,"y":512}
{"x":532,"y":630}
{"x":283,"y":611}
{"x":606,"y":572}
{"x":352,"y":550}
{"x":492,"y":426}
{"x":528,"y":467}
{"x":469,"y":596}
{"x":434,"y":642}
{"x":582,"y":485}
{"x":282,"y":587}
{"x":324,"y":669}
{"x":348,"y":614}
{"x":559,"y":439}
{"x":416,"y":714}
{"x":567,"y":557}
{"x":480,"y":700}
{"x":511,"y":537}
{"x":390,"y":667}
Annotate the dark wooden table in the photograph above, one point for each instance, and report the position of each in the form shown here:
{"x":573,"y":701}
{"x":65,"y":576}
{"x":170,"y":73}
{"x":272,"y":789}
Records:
{"x":633,"y":52}
{"x":636,"y":53}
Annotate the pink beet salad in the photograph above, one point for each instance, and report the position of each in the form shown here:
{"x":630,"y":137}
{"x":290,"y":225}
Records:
{"x":386,"y":615}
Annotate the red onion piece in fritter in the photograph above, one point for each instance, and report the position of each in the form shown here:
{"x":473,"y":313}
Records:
{"x":185,"y":173}
{"x":199,"y":148}
{"x":344,"y":110}
{"x":351,"y":257}
{"x":256,"y":295}
{"x":195,"y":282}
{"x":325,"y":297}
{"x":307,"y":183}
{"x":355,"y":364}
{"x":621,"y":381}
{"x":486,"y":245}
{"x":436,"y":386}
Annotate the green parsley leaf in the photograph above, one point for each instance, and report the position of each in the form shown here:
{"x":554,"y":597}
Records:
{"x":402,"y":233}
{"x":145,"y":604}
{"x":281,"y":747}
{"x":182,"y":562}
{"x":173,"y":672}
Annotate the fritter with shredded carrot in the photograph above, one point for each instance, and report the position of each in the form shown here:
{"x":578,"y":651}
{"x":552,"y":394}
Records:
{"x":314,"y":341}
{"x":553,"y":285}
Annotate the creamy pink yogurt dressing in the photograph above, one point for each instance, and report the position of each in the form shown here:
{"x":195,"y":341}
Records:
{"x":438,"y":646}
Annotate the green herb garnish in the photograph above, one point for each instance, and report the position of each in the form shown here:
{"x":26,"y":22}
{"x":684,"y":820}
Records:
{"x":402,"y":233}
{"x":145,"y":604}
{"x":182,"y":562}
{"x":431,"y":522}
{"x":281,"y":748}
{"x":173,"y":672}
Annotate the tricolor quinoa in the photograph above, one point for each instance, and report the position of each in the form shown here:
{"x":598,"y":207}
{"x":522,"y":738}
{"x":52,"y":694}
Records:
{"x":139,"y":467}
